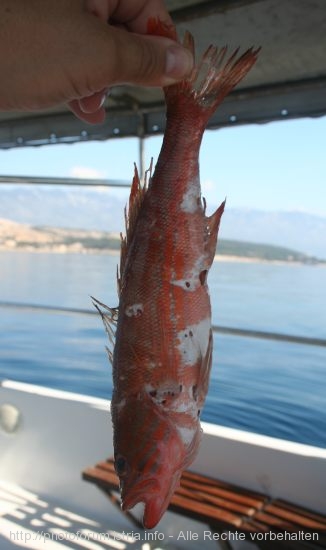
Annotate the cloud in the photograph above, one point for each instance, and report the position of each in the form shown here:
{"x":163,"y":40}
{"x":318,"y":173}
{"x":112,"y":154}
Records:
{"x":86,"y":172}
{"x":212,"y":195}
{"x":208,"y":186}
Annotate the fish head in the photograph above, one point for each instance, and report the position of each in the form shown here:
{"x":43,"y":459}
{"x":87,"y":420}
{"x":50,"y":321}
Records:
{"x":149,"y":457}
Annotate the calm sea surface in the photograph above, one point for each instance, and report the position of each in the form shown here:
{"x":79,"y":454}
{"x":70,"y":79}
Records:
{"x":272,"y":388}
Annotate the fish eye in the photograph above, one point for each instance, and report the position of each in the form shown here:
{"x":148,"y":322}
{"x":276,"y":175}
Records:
{"x":120,"y":465}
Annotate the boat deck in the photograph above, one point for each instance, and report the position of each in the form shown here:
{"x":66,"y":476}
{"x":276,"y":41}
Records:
{"x":29,"y":521}
{"x":53,"y":436}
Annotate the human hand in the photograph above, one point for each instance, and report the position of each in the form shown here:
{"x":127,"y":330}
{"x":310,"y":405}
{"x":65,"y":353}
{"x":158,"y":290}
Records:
{"x":66,"y":52}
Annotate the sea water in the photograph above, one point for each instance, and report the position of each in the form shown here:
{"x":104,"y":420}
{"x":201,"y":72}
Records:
{"x":264,"y":386}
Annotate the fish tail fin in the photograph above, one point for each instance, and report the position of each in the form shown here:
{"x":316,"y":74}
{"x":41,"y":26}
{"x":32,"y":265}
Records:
{"x":211,"y":80}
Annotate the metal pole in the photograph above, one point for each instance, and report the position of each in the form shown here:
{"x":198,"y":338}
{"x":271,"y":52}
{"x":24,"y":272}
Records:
{"x":46,"y":180}
{"x":141,"y":157}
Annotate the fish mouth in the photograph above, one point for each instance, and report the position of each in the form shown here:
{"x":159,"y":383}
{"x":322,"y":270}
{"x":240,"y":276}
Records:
{"x":133,"y":494}
{"x":152,"y":495}
{"x":148,"y":493}
{"x":154,"y":510}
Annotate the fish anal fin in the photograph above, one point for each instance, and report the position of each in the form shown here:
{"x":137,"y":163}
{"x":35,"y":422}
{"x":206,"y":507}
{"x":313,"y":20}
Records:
{"x":213,"y":224}
{"x":205,"y":370}
{"x":110,"y":354}
{"x":109,"y":317}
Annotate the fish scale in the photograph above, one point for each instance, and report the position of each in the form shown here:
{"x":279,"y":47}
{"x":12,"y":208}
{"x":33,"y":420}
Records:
{"x":162,"y":354}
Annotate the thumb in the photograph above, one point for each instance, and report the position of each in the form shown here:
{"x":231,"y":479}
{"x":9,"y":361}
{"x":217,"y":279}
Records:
{"x":130,"y":58}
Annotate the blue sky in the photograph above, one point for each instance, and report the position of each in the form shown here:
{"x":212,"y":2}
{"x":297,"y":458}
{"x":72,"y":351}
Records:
{"x":275,"y":166}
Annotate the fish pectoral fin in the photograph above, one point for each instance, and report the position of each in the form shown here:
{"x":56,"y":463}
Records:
{"x":213,"y":224}
{"x":109,"y":317}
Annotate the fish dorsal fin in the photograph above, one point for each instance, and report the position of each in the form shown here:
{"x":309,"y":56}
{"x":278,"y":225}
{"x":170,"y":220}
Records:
{"x":110,"y":318}
{"x":136,"y":198}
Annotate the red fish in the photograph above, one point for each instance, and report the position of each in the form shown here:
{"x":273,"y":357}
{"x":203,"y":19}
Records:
{"x":163,"y":339}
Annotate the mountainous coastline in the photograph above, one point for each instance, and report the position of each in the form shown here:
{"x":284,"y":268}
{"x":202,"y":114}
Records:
{"x":17,"y":236}
{"x":102,"y":210}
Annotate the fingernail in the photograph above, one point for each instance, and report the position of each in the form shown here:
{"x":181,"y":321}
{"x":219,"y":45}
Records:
{"x":179,"y":62}
{"x":103,"y":98}
{"x":105,"y":95}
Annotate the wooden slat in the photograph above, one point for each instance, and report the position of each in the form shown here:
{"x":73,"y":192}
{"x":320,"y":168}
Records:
{"x":304,"y":512}
{"x":211,"y":513}
{"x":208,"y":482}
{"x":274,"y":522}
{"x":201,"y":496}
{"x":107,"y":465}
{"x":229,"y":493}
{"x":296,"y":518}
{"x":96,"y":475}
{"x":254,"y":526}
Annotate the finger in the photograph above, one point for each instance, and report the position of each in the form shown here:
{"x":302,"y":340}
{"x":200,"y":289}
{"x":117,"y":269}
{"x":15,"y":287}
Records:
{"x":132,"y":15}
{"x":94,"y":102}
{"x":100,"y":8}
{"x":130,"y":58}
{"x":96,"y":117}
